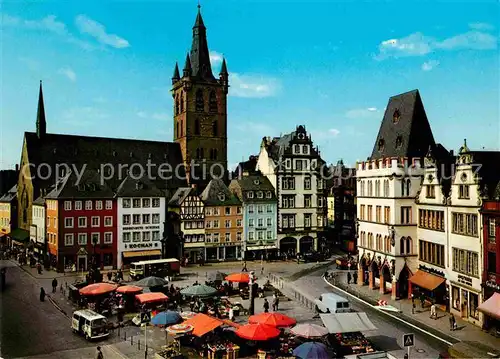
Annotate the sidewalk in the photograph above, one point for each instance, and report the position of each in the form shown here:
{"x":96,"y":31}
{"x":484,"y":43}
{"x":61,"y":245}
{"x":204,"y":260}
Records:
{"x":466,"y":332}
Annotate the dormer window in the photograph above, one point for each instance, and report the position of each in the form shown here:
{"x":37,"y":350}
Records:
{"x":463,"y":177}
{"x":138,"y":185}
{"x":301,"y":136}
{"x":399,"y":141}
{"x":463,"y":191}
{"x":396,"y":116}
{"x":296,"y":149}
{"x":430,"y":178}
{"x":222,"y":197}
{"x":256,"y":182}
{"x":250,"y":194}
{"x":305,"y":149}
{"x":269,"y":194}
{"x":381,"y":144}
{"x":260,"y":194}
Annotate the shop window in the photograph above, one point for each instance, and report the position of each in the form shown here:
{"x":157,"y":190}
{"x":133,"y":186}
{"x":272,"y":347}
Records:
{"x":108,"y":259}
{"x":455,"y":298}
{"x":473,"y":304}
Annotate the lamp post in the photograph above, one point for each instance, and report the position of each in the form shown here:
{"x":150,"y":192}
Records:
{"x":251,"y":284}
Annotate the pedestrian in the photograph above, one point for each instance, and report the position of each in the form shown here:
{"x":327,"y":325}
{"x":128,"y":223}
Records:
{"x":452,"y":322}
{"x":276,"y":302}
{"x":413,"y":306}
{"x":110,"y":275}
{"x":433,"y":311}
{"x":355,"y":277}
{"x":99,"y":353}
{"x":54,"y":285}
{"x":412,"y":298}
{"x":266,"y":306}
{"x":349,"y":277}
{"x":244,"y":267}
{"x":262,"y":269}
{"x":298,"y":258}
{"x":422,"y":300}
{"x":42,"y":295}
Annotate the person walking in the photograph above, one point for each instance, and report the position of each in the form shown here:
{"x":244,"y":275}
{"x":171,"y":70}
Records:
{"x":433,"y":311}
{"x":453,"y":323}
{"x":276,"y":301}
{"x":355,"y":277}
{"x":110,"y":275}
{"x":266,"y":306}
{"x":99,"y":353}
{"x":54,"y":285}
{"x":349,"y":277}
{"x":42,"y":295}
{"x":422,"y":300}
{"x":244,"y":267}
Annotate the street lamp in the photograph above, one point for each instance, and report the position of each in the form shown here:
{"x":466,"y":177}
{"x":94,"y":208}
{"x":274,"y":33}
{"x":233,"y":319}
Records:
{"x":392,"y":235}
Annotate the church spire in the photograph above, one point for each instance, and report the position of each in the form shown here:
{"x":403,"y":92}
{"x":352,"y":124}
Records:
{"x":176,"y":77}
{"x":200,"y":56}
{"x":41,"y":123}
{"x":187,"y":67}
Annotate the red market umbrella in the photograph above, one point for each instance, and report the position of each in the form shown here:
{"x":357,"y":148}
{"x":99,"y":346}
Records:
{"x":273,"y":319}
{"x":98,"y":289}
{"x":257,"y":332}
{"x":238,"y":277}
{"x":129,"y":289}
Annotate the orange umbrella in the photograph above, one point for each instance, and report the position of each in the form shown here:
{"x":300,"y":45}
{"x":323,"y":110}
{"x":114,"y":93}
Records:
{"x":151,"y":297}
{"x":273,"y":319}
{"x":98,"y":289}
{"x":257,"y":332}
{"x":238,"y":277}
{"x":129,"y":289}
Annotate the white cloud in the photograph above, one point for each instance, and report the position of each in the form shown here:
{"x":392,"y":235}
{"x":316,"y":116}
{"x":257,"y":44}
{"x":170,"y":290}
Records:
{"x":481,"y":26}
{"x":255,"y":86}
{"x":215,"y":57}
{"x":429,"y":65}
{"x":68,"y":72}
{"x":362,"y":112}
{"x":98,"y":31}
{"x":417,"y":44}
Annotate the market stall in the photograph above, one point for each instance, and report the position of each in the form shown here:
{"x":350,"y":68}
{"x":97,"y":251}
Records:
{"x":151,"y":301}
{"x":274,"y":319}
{"x":127,"y":293}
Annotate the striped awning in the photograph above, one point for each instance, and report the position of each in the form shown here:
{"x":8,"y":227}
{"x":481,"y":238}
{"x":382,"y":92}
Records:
{"x":152,"y":252}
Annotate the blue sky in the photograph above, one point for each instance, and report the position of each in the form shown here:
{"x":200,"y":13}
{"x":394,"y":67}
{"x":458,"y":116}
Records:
{"x":107,"y":67}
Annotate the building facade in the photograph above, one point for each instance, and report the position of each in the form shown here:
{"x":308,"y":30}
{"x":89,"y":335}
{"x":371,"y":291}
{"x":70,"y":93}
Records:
{"x":387,"y":185}
{"x":38,"y":229}
{"x":8,"y":216}
{"x":223,"y":222}
{"x":200,"y":111}
{"x":192,"y":215}
{"x":260,"y":207}
{"x":294,"y":167}
{"x":141,"y":214}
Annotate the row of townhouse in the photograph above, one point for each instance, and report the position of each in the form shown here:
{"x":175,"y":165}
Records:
{"x":420,"y":223}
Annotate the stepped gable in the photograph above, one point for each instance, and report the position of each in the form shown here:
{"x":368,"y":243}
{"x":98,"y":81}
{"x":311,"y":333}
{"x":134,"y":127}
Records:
{"x":405,"y":130}
{"x":88,"y":186}
{"x":444,"y":162}
{"x":94,"y":152}
{"x":218,"y":194}
{"x":488,"y":169}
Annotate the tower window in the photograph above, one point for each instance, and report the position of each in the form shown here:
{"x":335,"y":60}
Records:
{"x":200,"y":102}
{"x":182,"y":102}
{"x":182,"y":128}
{"x":197,"y":127}
{"x":215,"y":129}
{"x":177,"y":129}
{"x":212,"y":102}
{"x":177,"y":105}
{"x":213,"y":154}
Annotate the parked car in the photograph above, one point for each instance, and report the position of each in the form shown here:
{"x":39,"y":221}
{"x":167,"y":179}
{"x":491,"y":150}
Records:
{"x":313,"y":257}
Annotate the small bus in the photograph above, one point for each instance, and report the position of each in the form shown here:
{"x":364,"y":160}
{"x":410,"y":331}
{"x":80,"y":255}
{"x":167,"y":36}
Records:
{"x":90,"y":324}
{"x":155,"y":268}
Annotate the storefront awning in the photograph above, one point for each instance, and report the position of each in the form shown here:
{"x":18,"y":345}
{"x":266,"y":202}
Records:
{"x":256,"y":248}
{"x":492,"y":306}
{"x":426,"y":280}
{"x":347,"y":322}
{"x":152,"y":252}
{"x":20,"y":235}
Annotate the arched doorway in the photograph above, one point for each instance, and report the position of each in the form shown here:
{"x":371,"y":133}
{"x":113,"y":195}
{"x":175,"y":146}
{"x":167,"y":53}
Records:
{"x":306,"y":244}
{"x":404,"y":276}
{"x":375,"y":273}
{"x":288,"y":245}
{"x":386,"y":278}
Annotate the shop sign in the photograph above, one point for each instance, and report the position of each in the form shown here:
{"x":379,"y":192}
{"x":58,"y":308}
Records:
{"x":465,"y":280}
{"x":140,"y":245}
{"x":140,"y":228}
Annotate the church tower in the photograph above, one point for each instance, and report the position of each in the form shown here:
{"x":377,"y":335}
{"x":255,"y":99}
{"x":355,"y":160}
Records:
{"x":200,"y":111}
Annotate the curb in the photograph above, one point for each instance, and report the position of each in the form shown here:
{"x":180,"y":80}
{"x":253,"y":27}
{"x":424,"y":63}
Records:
{"x":54,"y":303}
{"x":393,"y":316}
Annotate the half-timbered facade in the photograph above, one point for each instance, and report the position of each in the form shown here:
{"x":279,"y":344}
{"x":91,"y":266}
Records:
{"x":192,"y":216}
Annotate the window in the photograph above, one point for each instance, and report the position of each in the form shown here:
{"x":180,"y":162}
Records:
{"x":269,"y":195}
{"x":197,"y":127}
{"x":430,"y":191}
{"x":405,"y":215}
{"x":463,"y":191}
{"x":431,"y":253}
{"x":88,"y":205}
{"x":464,"y":223}
{"x":136,"y":203}
{"x":260,"y":208}
{"x":492,"y":262}
{"x":369,"y":214}
{"x":377,"y":188}
{"x":251,"y":236}
{"x":68,"y":239}
{"x":288,"y":221}
{"x":126,"y":203}
{"x":108,"y":221}
{"x":212,"y":102}
{"x":378,"y":214}
{"x":260,"y":194}
{"x":126,"y":219}
{"x":370,"y":189}
{"x":269,"y":208}
{"x":405,"y":245}
{"x":239,"y":223}
{"x":288,"y":201}
{"x":307,"y":182}
{"x":250,"y":208}
{"x":146,"y":203}
{"x":146,"y":236}
{"x":95,"y":221}
{"x":68,"y":222}
{"x":136,"y":236}
{"x":146,"y":218}
{"x":227,"y":237}
{"x":260,"y":235}
{"x":108,"y":237}
{"x":227,"y":223}
{"x":362,"y":211}
{"x":370,"y":240}
{"x":296,"y":149}
{"x":269,"y":221}
{"x":238,"y":236}
{"x":386,"y":188}
{"x":431,"y":219}
{"x":228,"y":211}
{"x":82,"y":239}
{"x":216,"y":223}
{"x":251,"y":222}
{"x":156,"y":235}
{"x":67,"y":205}
{"x":361,"y":188}
{"x":82,"y":222}
{"x":260,"y":223}
{"x":465,"y":262}
{"x":215,"y":129}
{"x":216,"y":237}
{"x":156,"y":202}
{"x":136,"y":219}
{"x":307,"y":220}
{"x":200,"y":102}
{"x":78,"y":205}
{"x":156,"y":218}
{"x":239,"y":210}
{"x":307,"y":201}
{"x":250,"y":194}
{"x":98,"y":205}
{"x":298,"y":165}
{"x":491,"y":230}
{"x":288,"y":183}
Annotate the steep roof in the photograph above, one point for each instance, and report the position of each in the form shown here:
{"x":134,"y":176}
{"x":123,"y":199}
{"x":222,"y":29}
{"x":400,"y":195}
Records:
{"x":180,"y":195}
{"x":138,"y":187}
{"x":40,"y":201}
{"x":89,"y":185}
{"x":218,"y":194}
{"x":255,"y":183}
{"x":405,"y":130}
{"x":488,"y":165}
{"x":96,"y":153}
{"x":10,"y":195}
{"x":200,"y":56}
{"x":246,"y":166}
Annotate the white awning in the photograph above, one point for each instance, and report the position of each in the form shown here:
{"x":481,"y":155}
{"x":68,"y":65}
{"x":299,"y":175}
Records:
{"x":255,"y":248}
{"x":347,"y":322}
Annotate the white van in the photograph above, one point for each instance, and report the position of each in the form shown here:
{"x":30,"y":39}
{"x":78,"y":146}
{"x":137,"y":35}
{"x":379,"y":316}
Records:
{"x":89,"y":324}
{"x":332,"y":303}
